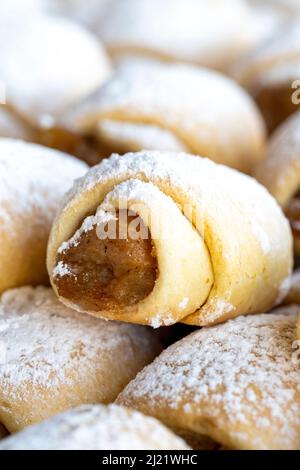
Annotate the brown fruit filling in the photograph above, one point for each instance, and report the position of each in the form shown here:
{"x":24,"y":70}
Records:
{"x":108,"y":274}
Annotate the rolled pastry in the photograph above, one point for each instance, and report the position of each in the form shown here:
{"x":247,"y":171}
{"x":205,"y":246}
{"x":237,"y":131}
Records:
{"x":271,"y":75}
{"x":96,"y":427}
{"x":55,"y":64}
{"x":175,"y":108}
{"x":280,"y":172}
{"x":156,"y":238}
{"x":298,"y":329}
{"x":33,"y":180}
{"x":55,"y":359}
{"x":204,"y":32}
{"x":236,"y":383}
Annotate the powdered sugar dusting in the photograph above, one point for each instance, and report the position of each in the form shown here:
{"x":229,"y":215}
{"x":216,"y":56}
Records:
{"x":49,"y":345}
{"x":96,"y":427}
{"x":236,"y":375}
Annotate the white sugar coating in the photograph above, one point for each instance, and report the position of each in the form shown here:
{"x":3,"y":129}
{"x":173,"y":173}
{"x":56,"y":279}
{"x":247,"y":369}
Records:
{"x":275,"y":62}
{"x":138,"y":136}
{"x":236,"y":375}
{"x":205,"y":32}
{"x":48,"y":344}
{"x":96,"y":427}
{"x":48,"y":63}
{"x":33,"y":179}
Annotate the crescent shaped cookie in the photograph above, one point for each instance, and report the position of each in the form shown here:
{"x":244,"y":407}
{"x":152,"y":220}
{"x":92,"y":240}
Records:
{"x":44,"y":77}
{"x":204,"y":32}
{"x":96,"y":427}
{"x":236,"y":383}
{"x":3,"y":432}
{"x":156,"y":238}
{"x":271,"y":75}
{"x":33,"y":180}
{"x":54,"y":359}
{"x":280,"y":172}
{"x":172,"y":107}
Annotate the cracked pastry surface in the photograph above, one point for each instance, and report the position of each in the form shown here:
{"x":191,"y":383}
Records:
{"x":237,"y":383}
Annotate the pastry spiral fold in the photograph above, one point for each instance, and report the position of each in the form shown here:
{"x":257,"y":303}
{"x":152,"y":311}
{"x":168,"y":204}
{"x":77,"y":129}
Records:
{"x":280,"y":172}
{"x":156,"y":238}
{"x":172,"y":107}
{"x":237,"y":383}
{"x":96,"y":427}
{"x":53,"y":359}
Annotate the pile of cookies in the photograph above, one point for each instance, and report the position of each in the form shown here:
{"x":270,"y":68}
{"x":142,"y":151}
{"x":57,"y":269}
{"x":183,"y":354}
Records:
{"x":150,"y":224}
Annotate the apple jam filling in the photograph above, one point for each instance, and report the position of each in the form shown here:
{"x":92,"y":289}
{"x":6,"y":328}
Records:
{"x":108,"y":274}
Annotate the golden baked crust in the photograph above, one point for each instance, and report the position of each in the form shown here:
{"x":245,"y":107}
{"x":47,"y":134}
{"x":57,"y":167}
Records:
{"x":237,"y":383}
{"x":54,"y":359}
{"x":202,"y":276}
